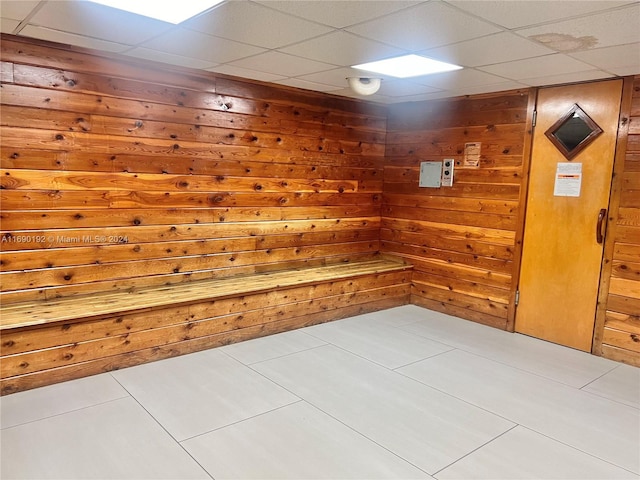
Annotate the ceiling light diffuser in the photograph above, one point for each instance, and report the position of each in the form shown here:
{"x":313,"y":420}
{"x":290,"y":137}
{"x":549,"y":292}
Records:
{"x":408,"y":66}
{"x":171,"y":11}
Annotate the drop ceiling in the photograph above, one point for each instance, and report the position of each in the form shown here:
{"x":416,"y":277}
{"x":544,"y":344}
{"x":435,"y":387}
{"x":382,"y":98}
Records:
{"x":311,"y":44}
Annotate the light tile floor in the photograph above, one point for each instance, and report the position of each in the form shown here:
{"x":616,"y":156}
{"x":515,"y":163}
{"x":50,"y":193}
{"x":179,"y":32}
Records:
{"x":402,"y":393}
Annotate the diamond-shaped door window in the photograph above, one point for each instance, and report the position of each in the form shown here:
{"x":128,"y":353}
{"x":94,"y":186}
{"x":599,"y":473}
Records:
{"x":573,"y":132}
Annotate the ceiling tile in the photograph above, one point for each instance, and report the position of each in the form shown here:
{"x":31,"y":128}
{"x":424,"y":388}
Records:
{"x":72,"y":39}
{"x":497,"y":48}
{"x":403,"y":88}
{"x":17,"y":10}
{"x":494,"y":87}
{"x":342,"y":49}
{"x":246,"y":73}
{"x":164,"y":57}
{"x":617,"y":27}
{"x":282,"y":64}
{"x":98,"y":21}
{"x":418,"y":98}
{"x":515,"y":14}
{"x":537,"y":67}
{"x":298,"y":83}
{"x":566,"y":78}
{"x":254,"y":24}
{"x":425,"y":26}
{"x":622,"y":58}
{"x":458,"y":79}
{"x":189,"y":43}
{"x":339,"y":13}
{"x":7,"y":25}
{"x":624,"y":71}
{"x":337,"y":76}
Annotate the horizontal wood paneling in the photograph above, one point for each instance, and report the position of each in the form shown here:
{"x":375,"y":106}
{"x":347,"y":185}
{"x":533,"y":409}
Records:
{"x":461,"y":239}
{"x":52,"y":353}
{"x":110,"y":167}
{"x":120,"y":175}
{"x":618,"y":334}
{"x":105,"y":364}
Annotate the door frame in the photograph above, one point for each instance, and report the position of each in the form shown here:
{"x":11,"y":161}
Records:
{"x":614,"y":201}
{"x":612,"y":213}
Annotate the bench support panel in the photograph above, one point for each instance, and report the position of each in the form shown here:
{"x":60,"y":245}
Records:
{"x":41,"y":355}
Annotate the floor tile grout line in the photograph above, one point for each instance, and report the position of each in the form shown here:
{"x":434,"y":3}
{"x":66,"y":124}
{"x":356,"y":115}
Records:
{"x":509,"y":365}
{"x":596,"y":379}
{"x":163,"y":428}
{"x":338,"y":420}
{"x":402,"y":375}
{"x":517,"y":423}
{"x":274,"y":358}
{"x":67,"y":412}
{"x":423,"y":359}
{"x":456,"y":397}
{"x":392,"y":369}
{"x":635,"y":405}
{"x":353,"y":429}
{"x":579,"y":449}
{"x":477,"y":448}
{"x":243,"y":420}
{"x":346,"y":425}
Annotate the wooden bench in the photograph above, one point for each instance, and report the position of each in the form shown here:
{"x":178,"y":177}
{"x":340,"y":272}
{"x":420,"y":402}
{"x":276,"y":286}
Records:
{"x":45,"y":342}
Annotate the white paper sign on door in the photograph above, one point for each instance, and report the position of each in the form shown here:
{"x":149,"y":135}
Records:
{"x":568,"y":180}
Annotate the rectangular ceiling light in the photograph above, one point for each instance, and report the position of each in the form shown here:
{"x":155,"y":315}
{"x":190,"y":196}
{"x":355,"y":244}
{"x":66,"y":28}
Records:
{"x":172,"y":11}
{"x":408,"y":66}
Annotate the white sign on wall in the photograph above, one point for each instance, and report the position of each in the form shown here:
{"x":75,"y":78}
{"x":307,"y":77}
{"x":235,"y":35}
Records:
{"x":568,"y":179}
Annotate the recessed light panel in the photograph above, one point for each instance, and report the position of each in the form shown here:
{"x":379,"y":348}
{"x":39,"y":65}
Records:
{"x":408,"y":66}
{"x":172,"y":11}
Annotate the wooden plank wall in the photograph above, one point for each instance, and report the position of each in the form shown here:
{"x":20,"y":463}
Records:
{"x":463,"y":240}
{"x":618,"y":337}
{"x":119,"y":174}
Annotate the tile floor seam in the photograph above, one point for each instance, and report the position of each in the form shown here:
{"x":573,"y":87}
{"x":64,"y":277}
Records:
{"x":343,"y":423}
{"x":396,"y":353}
{"x":546,"y":435}
{"x":175,"y":440}
{"x":510,"y":365}
{"x":274,"y":358}
{"x":67,"y":412}
{"x":353,"y":429}
{"x":284,"y":355}
{"x":391,"y":369}
{"x":476,"y":449}
{"x":405,"y":376}
{"x":619,"y":402}
{"x":615,"y":367}
{"x":243,"y":420}
{"x":423,"y":359}
{"x":457,"y":398}
{"x":528,"y":427}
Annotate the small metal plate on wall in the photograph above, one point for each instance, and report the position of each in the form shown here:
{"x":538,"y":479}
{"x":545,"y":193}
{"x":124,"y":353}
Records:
{"x":430,"y":174}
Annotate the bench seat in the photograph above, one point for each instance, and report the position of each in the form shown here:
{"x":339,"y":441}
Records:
{"x":50,"y":341}
{"x":101,"y":304}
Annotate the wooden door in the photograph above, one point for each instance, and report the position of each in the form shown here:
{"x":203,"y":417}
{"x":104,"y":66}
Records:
{"x":562,"y":256}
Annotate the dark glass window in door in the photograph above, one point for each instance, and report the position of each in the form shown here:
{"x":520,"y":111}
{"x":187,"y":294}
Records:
{"x":573,"y":132}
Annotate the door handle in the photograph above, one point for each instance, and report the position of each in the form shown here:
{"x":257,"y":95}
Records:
{"x":601,"y":217}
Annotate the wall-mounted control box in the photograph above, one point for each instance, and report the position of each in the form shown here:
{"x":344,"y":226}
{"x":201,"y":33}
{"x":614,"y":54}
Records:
{"x":447,"y":172}
{"x":430,"y":174}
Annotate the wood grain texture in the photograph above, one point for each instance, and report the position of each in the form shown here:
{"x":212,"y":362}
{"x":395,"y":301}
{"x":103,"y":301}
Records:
{"x":617,"y":332}
{"x":150,"y":210}
{"x":107,"y":164}
{"x":461,"y":239}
